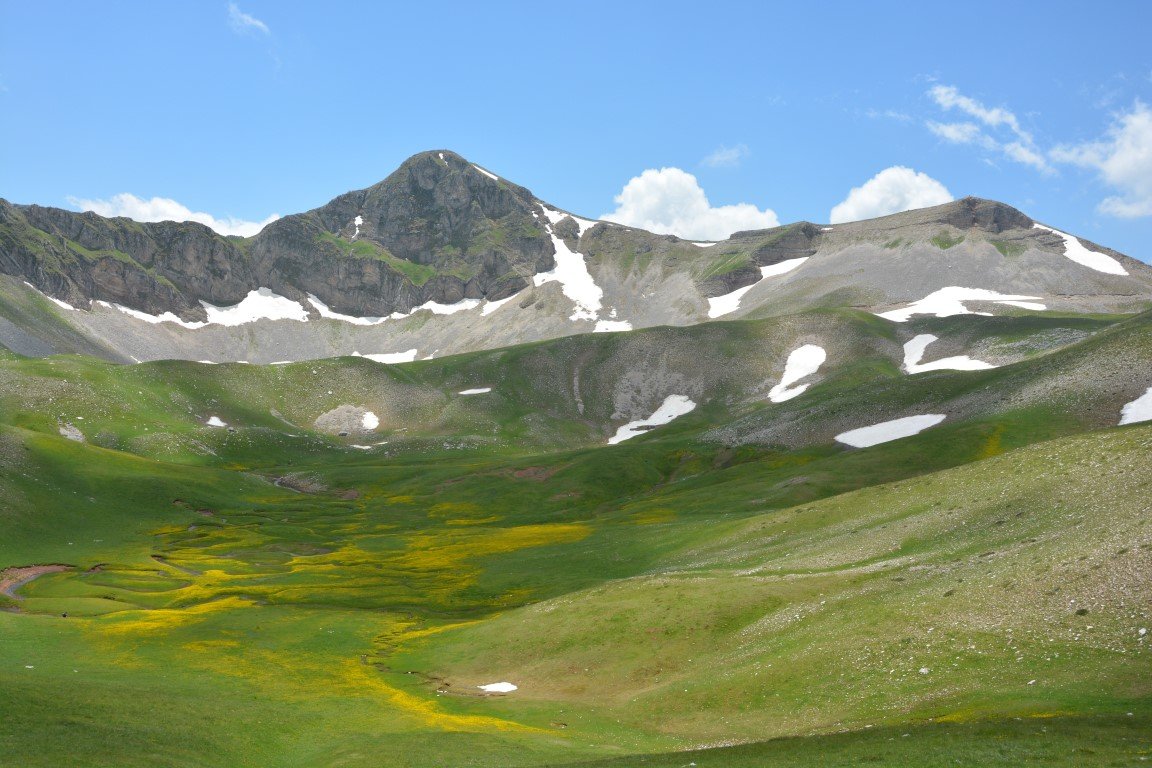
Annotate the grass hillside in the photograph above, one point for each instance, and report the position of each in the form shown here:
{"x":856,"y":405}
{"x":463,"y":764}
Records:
{"x":266,"y":593}
{"x":1059,"y":374}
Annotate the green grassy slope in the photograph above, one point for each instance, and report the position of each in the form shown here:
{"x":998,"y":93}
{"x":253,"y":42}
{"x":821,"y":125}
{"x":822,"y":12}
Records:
{"x":34,"y":322}
{"x":1013,"y":586}
{"x":272,"y":596}
{"x":575,"y":391}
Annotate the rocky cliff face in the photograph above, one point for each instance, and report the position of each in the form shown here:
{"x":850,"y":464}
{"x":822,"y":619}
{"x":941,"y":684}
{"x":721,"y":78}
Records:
{"x":159,"y":267}
{"x":438,"y":229}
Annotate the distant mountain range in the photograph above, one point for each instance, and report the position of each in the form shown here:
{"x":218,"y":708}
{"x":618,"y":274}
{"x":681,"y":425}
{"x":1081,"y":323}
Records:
{"x":444,"y":256}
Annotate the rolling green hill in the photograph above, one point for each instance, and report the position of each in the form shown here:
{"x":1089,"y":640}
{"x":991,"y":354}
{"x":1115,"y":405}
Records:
{"x":271,"y":592}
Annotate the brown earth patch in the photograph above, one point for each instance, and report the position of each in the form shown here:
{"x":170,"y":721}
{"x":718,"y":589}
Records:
{"x":15,"y":577}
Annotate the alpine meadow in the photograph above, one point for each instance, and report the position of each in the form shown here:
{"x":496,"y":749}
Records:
{"x":440,"y":473}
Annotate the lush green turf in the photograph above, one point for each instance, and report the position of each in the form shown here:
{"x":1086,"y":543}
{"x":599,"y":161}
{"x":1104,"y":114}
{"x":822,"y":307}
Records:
{"x":272,"y":596}
{"x":1104,"y":741}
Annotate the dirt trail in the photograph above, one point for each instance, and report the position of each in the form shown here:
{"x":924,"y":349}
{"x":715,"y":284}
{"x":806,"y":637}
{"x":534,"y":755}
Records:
{"x":13,"y":578}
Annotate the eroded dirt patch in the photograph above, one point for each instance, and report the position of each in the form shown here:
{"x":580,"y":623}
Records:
{"x":17,"y":576}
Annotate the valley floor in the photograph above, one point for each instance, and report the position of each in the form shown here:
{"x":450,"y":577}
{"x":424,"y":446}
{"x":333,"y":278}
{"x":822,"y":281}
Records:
{"x":196,"y":569}
{"x":995,"y":613}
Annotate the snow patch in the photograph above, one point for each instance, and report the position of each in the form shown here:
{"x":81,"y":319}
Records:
{"x":1138,"y":410}
{"x":949,"y":301}
{"x":914,"y":353}
{"x":571,"y":271}
{"x":1075,"y":250}
{"x":575,"y":280}
{"x":611,"y":326}
{"x":497,"y":688}
{"x":477,"y":391}
{"x":887,"y":431}
{"x":705,"y":245}
{"x":555,"y":217}
{"x":432,"y":306}
{"x":444,"y":309}
{"x":357,"y":222}
{"x":324,"y":311}
{"x":803,"y":362}
{"x":673,"y":407}
{"x":166,"y":317}
{"x":583,"y":225}
{"x":215,"y":421}
{"x":492,"y":176}
{"x":260,"y":304}
{"x":369,"y":421}
{"x":53,"y":299}
{"x":782,"y":267}
{"x":390,"y":358}
{"x":491,"y":306}
{"x":730,"y":302}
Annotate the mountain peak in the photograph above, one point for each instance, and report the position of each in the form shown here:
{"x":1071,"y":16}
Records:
{"x":972,"y":213}
{"x":439,"y":164}
{"x":438,"y":228}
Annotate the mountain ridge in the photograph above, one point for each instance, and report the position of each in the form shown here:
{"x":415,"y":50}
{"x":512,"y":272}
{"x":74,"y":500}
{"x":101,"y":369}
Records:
{"x":425,"y":260}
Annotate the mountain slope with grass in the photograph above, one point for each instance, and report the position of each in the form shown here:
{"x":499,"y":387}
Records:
{"x":327,"y":562}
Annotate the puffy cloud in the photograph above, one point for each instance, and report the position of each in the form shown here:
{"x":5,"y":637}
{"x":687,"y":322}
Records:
{"x":892,"y":190}
{"x":1123,"y":158}
{"x":726,"y":157}
{"x":670,"y":201}
{"x":243,"y":23}
{"x":1014,"y":142}
{"x":166,"y":209}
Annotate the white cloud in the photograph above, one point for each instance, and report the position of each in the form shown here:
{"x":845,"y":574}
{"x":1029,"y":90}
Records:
{"x":165,"y":209}
{"x":1123,"y":158}
{"x":957,"y":133}
{"x":1026,"y":155}
{"x":243,"y":23}
{"x":949,"y":97}
{"x":888,"y":114}
{"x":670,"y":201}
{"x":726,"y":157}
{"x":892,"y":190}
{"x":1015,"y":143}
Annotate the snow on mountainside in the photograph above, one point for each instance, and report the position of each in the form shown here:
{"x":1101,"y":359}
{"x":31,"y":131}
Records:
{"x":444,"y":257}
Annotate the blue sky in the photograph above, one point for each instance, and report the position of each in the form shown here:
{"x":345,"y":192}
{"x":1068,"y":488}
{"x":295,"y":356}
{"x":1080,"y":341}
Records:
{"x":258,"y":108}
